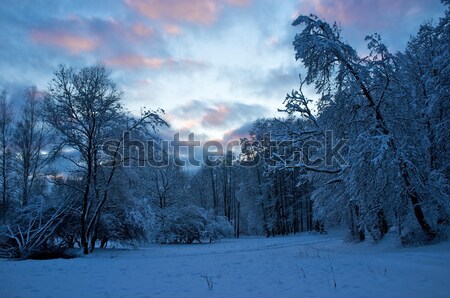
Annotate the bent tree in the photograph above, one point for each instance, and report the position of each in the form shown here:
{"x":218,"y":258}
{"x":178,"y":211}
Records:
{"x":347,"y":81}
{"x":84,"y":107}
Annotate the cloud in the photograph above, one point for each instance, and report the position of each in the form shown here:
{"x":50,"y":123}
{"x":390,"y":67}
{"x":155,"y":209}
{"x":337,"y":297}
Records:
{"x":217,"y":115}
{"x":77,"y":34}
{"x":227,"y":121}
{"x":395,"y":21}
{"x":238,"y":2}
{"x":202,"y":12}
{"x":159,"y":54}
{"x":74,"y":44}
{"x":213,"y":117}
{"x":242,"y":131}
{"x":172,"y":29}
{"x":363,"y":13}
{"x":271,"y":83}
{"x":229,"y":114}
{"x":194,"y":11}
{"x":141,"y":30}
{"x":273,"y":41}
{"x":136,"y":61}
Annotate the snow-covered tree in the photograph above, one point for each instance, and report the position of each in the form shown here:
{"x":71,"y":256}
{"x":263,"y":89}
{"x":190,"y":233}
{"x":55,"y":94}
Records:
{"x":84,"y":107}
{"x":365,"y":100}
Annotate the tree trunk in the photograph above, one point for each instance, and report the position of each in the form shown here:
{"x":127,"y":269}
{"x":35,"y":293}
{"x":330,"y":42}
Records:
{"x":104,"y":243}
{"x":415,"y":201}
{"x":412,"y":194}
{"x":84,"y":213}
{"x":214,"y":191}
{"x":238,"y":219}
{"x":266,"y":228}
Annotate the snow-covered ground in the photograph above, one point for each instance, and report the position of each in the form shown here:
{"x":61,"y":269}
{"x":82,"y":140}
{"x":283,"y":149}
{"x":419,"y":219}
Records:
{"x":295,"y":266}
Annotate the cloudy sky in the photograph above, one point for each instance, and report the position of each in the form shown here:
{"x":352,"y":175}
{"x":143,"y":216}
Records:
{"x":213,"y":65}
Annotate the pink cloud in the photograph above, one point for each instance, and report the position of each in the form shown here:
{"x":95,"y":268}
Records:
{"x":187,"y":124}
{"x":142,"y":30}
{"x":364,"y":13}
{"x":172,"y":29}
{"x":135,"y":61}
{"x":194,"y":11}
{"x":236,"y":134}
{"x":216,"y":116}
{"x":238,"y":2}
{"x":77,"y":34}
{"x":136,"y":32}
{"x":75,"y":44}
{"x":224,"y":117}
{"x":204,"y":12}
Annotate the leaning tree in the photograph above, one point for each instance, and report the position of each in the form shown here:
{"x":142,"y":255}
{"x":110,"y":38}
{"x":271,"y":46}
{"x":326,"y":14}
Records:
{"x":359,"y":93}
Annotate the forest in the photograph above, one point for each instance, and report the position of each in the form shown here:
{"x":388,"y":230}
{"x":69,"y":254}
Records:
{"x":369,"y":155}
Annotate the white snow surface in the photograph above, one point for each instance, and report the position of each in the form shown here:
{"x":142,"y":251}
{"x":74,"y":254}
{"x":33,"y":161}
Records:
{"x":302,"y":265}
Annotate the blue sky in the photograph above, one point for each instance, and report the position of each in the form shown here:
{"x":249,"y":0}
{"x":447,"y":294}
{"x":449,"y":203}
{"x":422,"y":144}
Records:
{"x":213,"y":65}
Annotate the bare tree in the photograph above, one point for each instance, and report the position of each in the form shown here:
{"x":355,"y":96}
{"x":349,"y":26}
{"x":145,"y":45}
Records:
{"x":85,"y":109}
{"x":166,"y":185}
{"x":6,"y":122}
{"x":32,"y":136}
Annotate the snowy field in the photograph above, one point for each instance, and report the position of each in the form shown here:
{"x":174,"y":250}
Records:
{"x":294,"y":266}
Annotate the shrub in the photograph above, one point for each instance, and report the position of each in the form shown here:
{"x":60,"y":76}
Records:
{"x":32,"y":230}
{"x":189,"y":224}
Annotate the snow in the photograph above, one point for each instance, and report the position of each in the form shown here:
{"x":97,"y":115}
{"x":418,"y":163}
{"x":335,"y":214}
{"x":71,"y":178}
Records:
{"x":293,"y":266}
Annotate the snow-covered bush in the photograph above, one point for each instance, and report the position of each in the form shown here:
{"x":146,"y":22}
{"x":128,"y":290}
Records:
{"x":217,"y":227}
{"x":68,"y":232}
{"x":189,"y":224}
{"x":126,"y":223}
{"x":32,"y":231}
